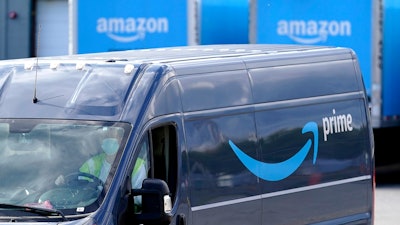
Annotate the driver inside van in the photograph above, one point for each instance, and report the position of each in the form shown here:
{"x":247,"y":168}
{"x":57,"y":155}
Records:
{"x":100,"y":165}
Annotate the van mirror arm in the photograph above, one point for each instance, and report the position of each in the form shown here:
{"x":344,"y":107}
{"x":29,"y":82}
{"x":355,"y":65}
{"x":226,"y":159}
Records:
{"x":156,"y":202}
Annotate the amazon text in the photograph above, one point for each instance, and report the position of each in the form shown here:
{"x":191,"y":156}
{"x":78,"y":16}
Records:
{"x":336,"y":124}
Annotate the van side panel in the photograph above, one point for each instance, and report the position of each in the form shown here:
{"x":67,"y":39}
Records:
{"x":303,"y":80}
{"x":221,"y":189}
{"x":332,"y":164}
{"x":216,"y":90}
{"x":298,"y":147}
{"x":314,"y":138}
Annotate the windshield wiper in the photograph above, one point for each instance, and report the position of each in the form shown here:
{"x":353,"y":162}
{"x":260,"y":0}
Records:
{"x":36,"y":210}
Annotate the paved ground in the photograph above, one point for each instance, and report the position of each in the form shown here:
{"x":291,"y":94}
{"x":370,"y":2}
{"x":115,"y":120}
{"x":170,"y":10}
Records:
{"x":387,"y":204}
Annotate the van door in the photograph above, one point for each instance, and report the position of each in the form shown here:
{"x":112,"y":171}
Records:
{"x":157,"y":157}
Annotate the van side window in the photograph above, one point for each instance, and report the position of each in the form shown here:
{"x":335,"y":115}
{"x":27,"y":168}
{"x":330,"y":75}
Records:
{"x":164,"y":150}
{"x":142,"y":164}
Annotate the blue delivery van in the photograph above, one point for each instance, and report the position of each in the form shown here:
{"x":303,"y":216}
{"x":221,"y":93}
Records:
{"x":212,"y":134}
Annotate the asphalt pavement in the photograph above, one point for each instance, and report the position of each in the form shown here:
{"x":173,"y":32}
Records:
{"x":387,"y":204}
{"x":387,"y":198}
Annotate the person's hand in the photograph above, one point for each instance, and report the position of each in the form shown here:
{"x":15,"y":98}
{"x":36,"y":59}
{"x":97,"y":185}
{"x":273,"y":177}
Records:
{"x":60,"y":180}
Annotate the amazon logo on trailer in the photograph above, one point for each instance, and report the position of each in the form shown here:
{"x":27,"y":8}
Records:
{"x":313,"y":31}
{"x":131,"y":29}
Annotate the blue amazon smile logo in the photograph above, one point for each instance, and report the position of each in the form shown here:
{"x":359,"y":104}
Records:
{"x":281,"y":170}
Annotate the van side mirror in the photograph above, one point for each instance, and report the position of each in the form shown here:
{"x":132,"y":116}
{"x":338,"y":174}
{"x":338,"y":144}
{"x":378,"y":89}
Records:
{"x":156,"y":202}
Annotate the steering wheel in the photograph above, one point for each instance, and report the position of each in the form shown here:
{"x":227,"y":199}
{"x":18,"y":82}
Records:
{"x":79,"y":179}
{"x":78,"y":188}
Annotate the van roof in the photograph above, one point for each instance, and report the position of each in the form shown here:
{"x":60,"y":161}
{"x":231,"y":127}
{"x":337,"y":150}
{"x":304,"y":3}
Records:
{"x":99,"y":85}
{"x":173,"y":54}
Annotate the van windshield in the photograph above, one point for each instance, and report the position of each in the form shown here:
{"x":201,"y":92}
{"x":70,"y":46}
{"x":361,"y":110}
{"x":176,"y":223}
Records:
{"x":58,"y":164}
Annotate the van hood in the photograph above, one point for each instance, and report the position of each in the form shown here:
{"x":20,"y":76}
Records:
{"x":86,"y":220}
